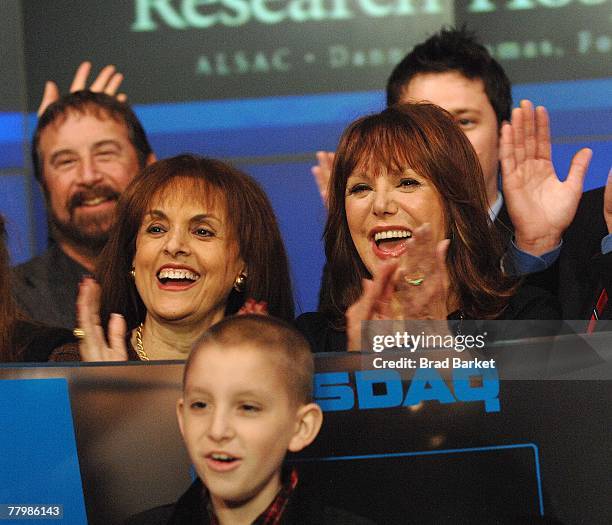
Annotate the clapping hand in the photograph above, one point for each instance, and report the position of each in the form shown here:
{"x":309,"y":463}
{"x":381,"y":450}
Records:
{"x":414,"y":286}
{"x":93,"y":345}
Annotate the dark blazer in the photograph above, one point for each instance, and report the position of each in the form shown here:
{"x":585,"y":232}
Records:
{"x":503,"y":223}
{"x":582,"y":269}
{"x":34,"y":342}
{"x":46,"y":288}
{"x":603,"y":268}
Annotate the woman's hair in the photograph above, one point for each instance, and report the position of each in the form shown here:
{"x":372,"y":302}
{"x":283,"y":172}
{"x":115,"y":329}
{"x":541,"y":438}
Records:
{"x":252,"y":224}
{"x":7,"y":304}
{"x":424,"y":138}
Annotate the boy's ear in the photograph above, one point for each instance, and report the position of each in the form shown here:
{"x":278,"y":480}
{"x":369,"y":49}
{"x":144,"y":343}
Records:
{"x":308,"y":423}
{"x":151,"y":158}
{"x":179,"y":415}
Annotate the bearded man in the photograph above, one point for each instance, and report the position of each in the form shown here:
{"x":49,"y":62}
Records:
{"x":86,"y":149}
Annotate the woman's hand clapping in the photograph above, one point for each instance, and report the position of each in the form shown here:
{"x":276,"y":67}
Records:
{"x":93,"y":345}
{"x":414,"y":286}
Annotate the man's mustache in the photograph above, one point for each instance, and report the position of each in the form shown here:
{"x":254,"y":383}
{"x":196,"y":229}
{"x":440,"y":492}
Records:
{"x":104,"y":192}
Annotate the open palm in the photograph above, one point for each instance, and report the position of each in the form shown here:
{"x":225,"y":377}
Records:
{"x":540,"y":206}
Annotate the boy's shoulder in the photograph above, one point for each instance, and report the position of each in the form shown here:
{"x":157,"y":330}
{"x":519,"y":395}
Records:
{"x":189,"y":509}
{"x":306,"y":508}
{"x":335,"y":516}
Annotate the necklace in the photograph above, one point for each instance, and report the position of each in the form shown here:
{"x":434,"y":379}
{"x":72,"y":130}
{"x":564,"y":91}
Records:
{"x":458,"y":317}
{"x":460,"y":327}
{"x":139,"y":346}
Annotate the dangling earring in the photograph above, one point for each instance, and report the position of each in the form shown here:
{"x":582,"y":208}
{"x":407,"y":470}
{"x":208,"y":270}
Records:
{"x":240,"y":282}
{"x":133,"y":272}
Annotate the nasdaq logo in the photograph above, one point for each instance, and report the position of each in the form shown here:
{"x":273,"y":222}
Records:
{"x":378,"y":389}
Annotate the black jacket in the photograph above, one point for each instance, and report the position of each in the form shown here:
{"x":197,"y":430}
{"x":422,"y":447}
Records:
{"x":303,"y":509}
{"x":46,"y":288}
{"x":34,"y":342}
{"x":582,"y":269}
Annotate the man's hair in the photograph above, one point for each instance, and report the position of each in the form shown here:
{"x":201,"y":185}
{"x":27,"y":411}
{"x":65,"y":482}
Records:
{"x":454,"y":50}
{"x":271,"y":335}
{"x":425,"y":138}
{"x":100,"y":105}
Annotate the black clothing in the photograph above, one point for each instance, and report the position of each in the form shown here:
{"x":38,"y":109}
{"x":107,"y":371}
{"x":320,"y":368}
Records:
{"x":33,"y":342}
{"x":503,"y":224}
{"x":582,"y":269}
{"x":303,"y":509}
{"x":602,"y":266}
{"x":46,"y":287}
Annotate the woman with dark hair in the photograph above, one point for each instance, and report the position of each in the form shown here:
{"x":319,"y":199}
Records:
{"x":194,"y":239}
{"x":22,"y":340}
{"x":408,"y":235}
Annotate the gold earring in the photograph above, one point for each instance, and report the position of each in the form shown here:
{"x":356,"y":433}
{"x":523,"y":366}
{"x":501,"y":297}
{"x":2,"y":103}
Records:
{"x":240,"y":282}
{"x":133,"y":272}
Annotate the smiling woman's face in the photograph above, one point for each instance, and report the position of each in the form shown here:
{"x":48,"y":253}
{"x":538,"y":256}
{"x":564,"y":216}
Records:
{"x":383,"y":208}
{"x":187,"y":259}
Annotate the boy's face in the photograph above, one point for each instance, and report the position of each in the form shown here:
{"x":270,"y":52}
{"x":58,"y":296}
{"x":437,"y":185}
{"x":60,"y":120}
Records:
{"x":238,"y":422}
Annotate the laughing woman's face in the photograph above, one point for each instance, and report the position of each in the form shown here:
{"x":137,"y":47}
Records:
{"x":187,"y":259}
{"x":383,"y":208}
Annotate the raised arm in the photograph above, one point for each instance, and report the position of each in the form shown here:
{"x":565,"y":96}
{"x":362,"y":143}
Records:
{"x":374,"y":304}
{"x":107,"y":81}
{"x":322,"y":172}
{"x":540,"y":206}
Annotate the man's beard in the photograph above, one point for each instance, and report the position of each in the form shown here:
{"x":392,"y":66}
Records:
{"x":85,"y":231}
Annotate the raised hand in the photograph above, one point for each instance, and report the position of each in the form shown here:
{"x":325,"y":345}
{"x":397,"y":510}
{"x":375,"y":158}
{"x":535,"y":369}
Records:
{"x":374,"y":303}
{"x":414,"y":286}
{"x":107,"y":81}
{"x":608,"y":202}
{"x":322,"y":172}
{"x":93,"y":345}
{"x":421,"y":281}
{"x":540,"y":206}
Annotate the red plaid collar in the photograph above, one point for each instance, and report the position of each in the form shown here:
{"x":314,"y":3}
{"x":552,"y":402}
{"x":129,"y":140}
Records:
{"x":274,"y":513}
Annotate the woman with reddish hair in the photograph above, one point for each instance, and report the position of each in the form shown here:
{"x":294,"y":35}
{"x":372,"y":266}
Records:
{"x":408,"y":235}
